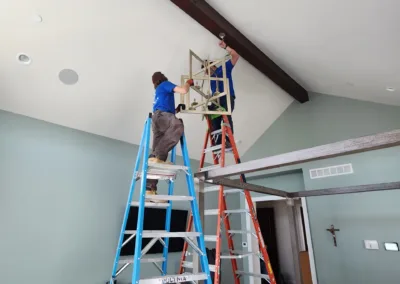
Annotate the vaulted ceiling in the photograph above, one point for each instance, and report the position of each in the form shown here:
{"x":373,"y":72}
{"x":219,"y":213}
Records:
{"x":333,"y":47}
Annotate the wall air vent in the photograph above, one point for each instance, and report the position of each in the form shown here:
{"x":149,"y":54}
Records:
{"x":331,"y":171}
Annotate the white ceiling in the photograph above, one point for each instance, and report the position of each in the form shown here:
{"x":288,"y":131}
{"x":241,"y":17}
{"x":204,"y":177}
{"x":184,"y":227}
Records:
{"x":115,"y":46}
{"x":338,"y":47}
{"x":346,"y":48}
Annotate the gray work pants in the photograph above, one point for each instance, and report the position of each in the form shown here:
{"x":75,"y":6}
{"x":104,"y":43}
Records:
{"x":167,"y":131}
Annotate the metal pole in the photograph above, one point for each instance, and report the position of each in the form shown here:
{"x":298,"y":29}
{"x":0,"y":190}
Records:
{"x":168,"y":217}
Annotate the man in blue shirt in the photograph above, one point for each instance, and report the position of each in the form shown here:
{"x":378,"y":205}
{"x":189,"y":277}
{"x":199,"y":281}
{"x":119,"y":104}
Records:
{"x":167,"y":128}
{"x":218,"y":87}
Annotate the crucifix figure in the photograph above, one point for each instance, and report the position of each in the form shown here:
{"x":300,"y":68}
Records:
{"x":333,"y":231}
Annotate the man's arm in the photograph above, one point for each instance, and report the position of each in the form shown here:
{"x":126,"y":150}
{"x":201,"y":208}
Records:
{"x":232,"y":52}
{"x":185,"y":88}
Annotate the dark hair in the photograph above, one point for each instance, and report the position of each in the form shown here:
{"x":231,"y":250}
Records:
{"x":158,"y":78}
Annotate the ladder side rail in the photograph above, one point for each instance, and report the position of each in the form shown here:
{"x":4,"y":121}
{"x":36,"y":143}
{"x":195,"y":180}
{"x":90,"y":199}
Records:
{"x":222,"y":207}
{"x":128,"y":204}
{"x":231,"y":246}
{"x":190,"y":223}
{"x":139,"y":227}
{"x":252,"y":212}
{"x":185,"y":245}
{"x":220,"y":213}
{"x":195,"y":210}
{"x":171,"y":184}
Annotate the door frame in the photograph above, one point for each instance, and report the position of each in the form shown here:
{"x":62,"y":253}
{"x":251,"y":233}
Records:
{"x":253,"y":262}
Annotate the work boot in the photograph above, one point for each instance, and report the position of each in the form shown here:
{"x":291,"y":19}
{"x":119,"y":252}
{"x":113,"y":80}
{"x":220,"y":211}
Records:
{"x":152,"y":192}
{"x":155,"y":160}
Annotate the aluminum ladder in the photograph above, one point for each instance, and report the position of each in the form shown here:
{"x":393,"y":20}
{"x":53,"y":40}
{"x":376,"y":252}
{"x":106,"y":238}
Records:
{"x":218,"y":152}
{"x":195,"y":239}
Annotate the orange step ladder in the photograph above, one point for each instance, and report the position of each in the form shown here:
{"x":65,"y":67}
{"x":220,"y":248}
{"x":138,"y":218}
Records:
{"x":218,"y":152}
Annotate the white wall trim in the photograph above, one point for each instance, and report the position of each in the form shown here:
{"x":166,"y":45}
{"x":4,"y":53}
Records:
{"x":252,"y":261}
{"x":309,"y":241}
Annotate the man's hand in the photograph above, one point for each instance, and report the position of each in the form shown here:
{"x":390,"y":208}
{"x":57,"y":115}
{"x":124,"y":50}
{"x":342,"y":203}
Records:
{"x":190,"y":82}
{"x":222,"y":44}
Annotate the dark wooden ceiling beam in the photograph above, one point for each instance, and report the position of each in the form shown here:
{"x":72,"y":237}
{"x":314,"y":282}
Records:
{"x":209,"y":18}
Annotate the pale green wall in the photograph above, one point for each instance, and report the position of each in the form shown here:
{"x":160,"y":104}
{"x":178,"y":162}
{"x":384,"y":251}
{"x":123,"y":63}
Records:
{"x":374,"y":216}
{"x":62,"y":198}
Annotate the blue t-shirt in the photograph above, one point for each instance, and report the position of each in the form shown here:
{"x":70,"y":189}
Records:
{"x":218,"y":74}
{"x":164,"y":99}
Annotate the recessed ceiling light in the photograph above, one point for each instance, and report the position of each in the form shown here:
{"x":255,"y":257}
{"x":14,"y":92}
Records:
{"x":23,"y":58}
{"x":37,"y":18}
{"x":68,"y":76}
{"x":390,"y":89}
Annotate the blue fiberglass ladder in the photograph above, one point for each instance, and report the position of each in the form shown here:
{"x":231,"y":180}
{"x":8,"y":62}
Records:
{"x":161,"y":172}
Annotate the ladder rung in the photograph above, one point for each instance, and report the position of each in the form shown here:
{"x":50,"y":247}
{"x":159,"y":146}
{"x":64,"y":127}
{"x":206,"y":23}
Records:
{"x":163,"y":171}
{"x":150,"y":204}
{"x":189,"y":264}
{"x":129,"y":259}
{"x":238,"y":255}
{"x":159,"y":175}
{"x":216,"y":132}
{"x":168,"y":167}
{"x":263,"y":276}
{"x":226,"y":190}
{"x":239,"y":232}
{"x":210,"y":238}
{"x":236,"y":211}
{"x":209,"y":212}
{"x":219,"y":130}
{"x":170,"y":197}
{"x":174,"y":278}
{"x":209,"y":168}
{"x":164,"y":234}
{"x":218,"y":147}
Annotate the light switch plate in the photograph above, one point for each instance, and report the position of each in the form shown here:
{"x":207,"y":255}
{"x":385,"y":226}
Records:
{"x":371,"y":244}
{"x":391,"y":246}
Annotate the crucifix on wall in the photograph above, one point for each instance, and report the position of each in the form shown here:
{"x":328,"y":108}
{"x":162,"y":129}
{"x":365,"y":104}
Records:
{"x":333,"y":231}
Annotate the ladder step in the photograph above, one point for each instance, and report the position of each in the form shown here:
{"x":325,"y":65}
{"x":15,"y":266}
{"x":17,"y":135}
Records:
{"x":129,"y":259}
{"x":209,"y":212}
{"x":163,"y":171}
{"x":209,"y":168}
{"x":216,"y":132}
{"x":263,"y":276}
{"x":159,"y":175}
{"x":164,"y":234}
{"x":210,"y":238}
{"x":236,"y":211}
{"x":170,"y":197}
{"x":239,"y":232}
{"x":220,"y":130}
{"x":168,"y":167}
{"x":189,"y":264}
{"x":226,"y":190}
{"x":218,"y":147}
{"x":238,"y":255}
{"x":179,"y":278}
{"x":150,"y":204}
